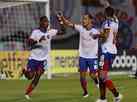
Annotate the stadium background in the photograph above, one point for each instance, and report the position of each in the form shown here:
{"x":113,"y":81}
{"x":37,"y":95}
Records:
{"x":17,"y":19}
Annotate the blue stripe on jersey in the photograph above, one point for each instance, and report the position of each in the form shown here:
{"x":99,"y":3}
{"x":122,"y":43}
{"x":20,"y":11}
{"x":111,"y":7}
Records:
{"x":108,"y":22}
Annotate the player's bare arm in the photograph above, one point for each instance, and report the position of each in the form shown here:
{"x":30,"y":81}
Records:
{"x":64,"y":21}
{"x":42,"y":38}
{"x":32,"y":43}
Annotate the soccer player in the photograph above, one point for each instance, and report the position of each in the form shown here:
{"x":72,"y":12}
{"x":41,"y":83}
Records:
{"x":109,"y":50}
{"x":88,"y":49}
{"x":40,"y":47}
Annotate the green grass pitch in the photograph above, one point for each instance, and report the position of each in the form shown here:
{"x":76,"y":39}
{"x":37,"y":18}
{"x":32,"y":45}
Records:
{"x":64,"y":90}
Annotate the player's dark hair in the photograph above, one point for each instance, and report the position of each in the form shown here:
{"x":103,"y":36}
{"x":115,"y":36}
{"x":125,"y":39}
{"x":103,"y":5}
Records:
{"x":43,"y":18}
{"x":109,"y":11}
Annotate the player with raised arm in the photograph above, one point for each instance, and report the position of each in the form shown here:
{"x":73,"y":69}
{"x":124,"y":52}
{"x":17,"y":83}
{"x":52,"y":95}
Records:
{"x":109,"y":50}
{"x":88,"y":49}
{"x":40,"y":47}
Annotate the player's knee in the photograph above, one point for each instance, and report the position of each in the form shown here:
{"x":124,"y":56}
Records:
{"x":103,"y":75}
{"x":93,"y":74}
{"x":82,"y":78}
{"x":29,"y":75}
{"x":83,"y":74}
{"x":40,"y":72}
{"x":102,"y":78}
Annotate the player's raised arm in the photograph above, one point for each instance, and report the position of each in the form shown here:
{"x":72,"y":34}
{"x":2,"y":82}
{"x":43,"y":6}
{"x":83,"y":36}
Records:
{"x":86,"y":22}
{"x":64,"y":21}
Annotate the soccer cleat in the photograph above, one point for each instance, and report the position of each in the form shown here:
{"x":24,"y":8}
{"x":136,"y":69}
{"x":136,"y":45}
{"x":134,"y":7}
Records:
{"x":118,"y":99}
{"x":100,"y":100}
{"x":85,"y":95}
{"x":27,"y":97}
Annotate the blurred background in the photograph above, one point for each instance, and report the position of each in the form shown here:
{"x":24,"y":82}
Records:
{"x":19,"y":17}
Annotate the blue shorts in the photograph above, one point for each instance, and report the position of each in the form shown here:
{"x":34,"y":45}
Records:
{"x":85,"y":63}
{"x":34,"y":65}
{"x":108,"y":59}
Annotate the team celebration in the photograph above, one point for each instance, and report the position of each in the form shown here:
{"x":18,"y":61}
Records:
{"x":68,"y":51}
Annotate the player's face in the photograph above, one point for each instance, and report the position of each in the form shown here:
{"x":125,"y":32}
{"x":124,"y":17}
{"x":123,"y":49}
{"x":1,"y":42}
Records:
{"x":44,"y":23}
{"x":86,"y":20}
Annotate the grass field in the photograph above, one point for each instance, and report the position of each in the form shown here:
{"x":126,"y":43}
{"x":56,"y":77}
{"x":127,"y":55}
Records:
{"x":64,"y":90}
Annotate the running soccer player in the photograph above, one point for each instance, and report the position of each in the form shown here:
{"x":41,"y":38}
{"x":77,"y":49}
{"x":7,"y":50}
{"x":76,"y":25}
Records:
{"x":40,"y":47}
{"x":88,"y":49}
{"x":109,"y":50}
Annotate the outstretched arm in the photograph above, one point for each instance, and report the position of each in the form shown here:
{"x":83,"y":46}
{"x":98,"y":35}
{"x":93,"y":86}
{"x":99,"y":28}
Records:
{"x":64,"y":21}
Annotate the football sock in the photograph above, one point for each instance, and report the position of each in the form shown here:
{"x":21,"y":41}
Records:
{"x":102,"y":88}
{"x":29,"y":89}
{"x":111,"y":87}
{"x":83,"y":82}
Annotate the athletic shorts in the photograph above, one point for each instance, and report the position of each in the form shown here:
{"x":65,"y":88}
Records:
{"x":34,"y":65}
{"x":88,"y":63}
{"x":108,"y":60}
